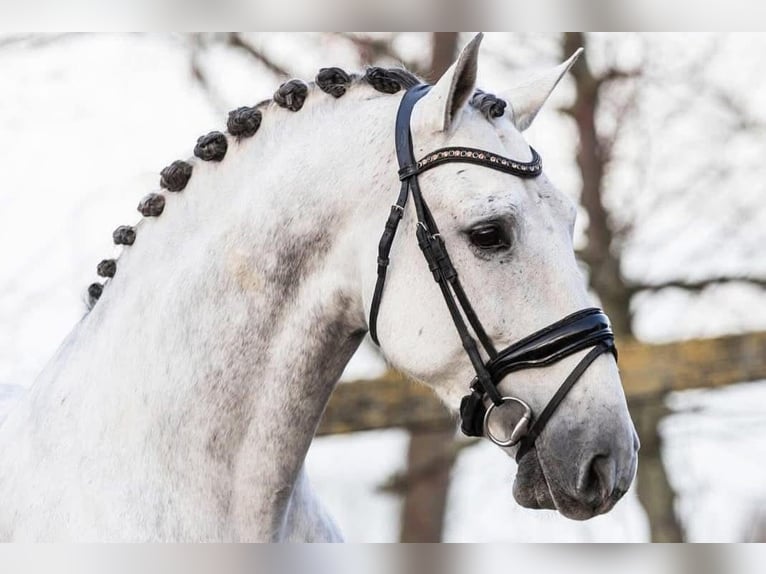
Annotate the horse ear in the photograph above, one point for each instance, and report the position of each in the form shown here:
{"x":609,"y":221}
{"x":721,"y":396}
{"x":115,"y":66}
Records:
{"x":528,"y":97}
{"x":451,"y":93}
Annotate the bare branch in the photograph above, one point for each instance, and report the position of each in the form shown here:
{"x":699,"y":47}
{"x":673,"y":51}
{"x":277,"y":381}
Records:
{"x":35,"y":40}
{"x":521,"y":49}
{"x":698,"y":285}
{"x":614,"y":74}
{"x":696,"y":85}
{"x":236,"y":40}
{"x":696,"y":90}
{"x":401,"y":482}
{"x":592,"y":160}
{"x":200,"y":75}
{"x":373,"y":49}
{"x":744,"y":119}
{"x":608,"y":142}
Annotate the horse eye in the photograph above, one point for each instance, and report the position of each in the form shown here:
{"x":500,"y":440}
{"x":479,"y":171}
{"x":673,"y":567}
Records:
{"x":489,"y":237}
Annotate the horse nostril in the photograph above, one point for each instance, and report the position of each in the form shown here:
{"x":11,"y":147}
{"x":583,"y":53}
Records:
{"x":597,"y":480}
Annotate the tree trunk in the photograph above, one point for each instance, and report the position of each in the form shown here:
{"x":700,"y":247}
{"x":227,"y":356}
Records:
{"x":606,"y":279}
{"x":592,"y":157}
{"x":654,"y":490}
{"x":429,"y":462}
{"x":444,"y":50}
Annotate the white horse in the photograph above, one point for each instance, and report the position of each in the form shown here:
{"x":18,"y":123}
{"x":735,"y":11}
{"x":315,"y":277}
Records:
{"x":181,"y":407}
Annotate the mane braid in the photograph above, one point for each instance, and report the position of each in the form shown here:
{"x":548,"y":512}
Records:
{"x":390,"y":80}
{"x":124,"y":235}
{"x":245,"y":121}
{"x":152,"y":205}
{"x":333,"y":81}
{"x":489,"y":104}
{"x":94,"y":293}
{"x":211,"y":147}
{"x":291,"y":95}
{"x":107,"y":268}
{"x":175,"y":176}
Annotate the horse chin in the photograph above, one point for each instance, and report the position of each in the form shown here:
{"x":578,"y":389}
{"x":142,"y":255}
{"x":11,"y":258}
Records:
{"x":532,"y":490}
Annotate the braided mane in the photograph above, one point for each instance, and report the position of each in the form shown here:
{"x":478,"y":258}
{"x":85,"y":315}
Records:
{"x":244,"y":122}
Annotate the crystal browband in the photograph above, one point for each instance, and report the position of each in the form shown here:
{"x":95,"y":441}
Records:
{"x":476,"y":156}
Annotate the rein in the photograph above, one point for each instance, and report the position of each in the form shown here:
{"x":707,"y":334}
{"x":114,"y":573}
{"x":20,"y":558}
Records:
{"x":588,"y":328}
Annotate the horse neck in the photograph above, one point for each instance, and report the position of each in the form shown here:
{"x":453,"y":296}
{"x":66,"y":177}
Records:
{"x":230,"y":319}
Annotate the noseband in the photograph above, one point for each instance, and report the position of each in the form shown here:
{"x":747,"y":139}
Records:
{"x":585,"y":329}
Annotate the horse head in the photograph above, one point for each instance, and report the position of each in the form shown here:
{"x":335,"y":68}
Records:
{"x":497,"y":238}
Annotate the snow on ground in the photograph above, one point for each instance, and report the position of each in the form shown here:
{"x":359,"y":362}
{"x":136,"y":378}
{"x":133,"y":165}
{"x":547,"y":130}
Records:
{"x":88,"y":122}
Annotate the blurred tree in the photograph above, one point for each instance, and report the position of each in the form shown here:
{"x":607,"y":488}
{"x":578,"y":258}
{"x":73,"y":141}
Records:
{"x":603,"y":259}
{"x":609,"y":233}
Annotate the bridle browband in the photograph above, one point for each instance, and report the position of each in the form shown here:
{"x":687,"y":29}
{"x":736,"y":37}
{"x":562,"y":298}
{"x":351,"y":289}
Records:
{"x":588,"y":328}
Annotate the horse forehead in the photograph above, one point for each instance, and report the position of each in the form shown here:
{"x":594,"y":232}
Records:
{"x":475,"y":184}
{"x":498,"y":135}
{"x":513,"y":140}
{"x":473,"y":190}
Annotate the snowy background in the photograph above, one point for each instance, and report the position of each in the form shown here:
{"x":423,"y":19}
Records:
{"x":87,"y":122}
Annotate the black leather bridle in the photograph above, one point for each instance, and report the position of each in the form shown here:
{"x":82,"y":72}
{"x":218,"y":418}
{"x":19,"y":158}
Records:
{"x":585,"y":329}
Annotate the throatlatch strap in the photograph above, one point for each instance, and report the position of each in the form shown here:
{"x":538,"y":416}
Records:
{"x":384,"y":249}
{"x":403,"y":137}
